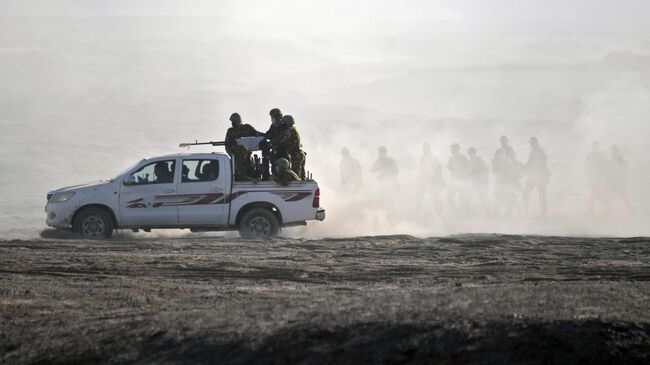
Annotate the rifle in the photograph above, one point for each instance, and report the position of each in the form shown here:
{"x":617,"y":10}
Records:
{"x":196,"y":143}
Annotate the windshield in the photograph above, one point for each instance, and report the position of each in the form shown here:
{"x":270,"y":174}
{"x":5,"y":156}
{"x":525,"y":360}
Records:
{"x":127,"y":169}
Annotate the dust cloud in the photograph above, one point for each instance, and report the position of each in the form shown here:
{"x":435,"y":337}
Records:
{"x":87,"y":89}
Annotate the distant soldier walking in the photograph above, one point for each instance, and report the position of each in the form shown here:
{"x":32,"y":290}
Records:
{"x":508,"y":174}
{"x":596,"y":166}
{"x":458,"y":166}
{"x":508,"y":152}
{"x":537,"y":176}
{"x":241,"y":155}
{"x":504,"y":184}
{"x":351,"y":175}
{"x":478,"y":176}
{"x":430,"y":179}
{"x":618,"y":178}
{"x":384,"y":167}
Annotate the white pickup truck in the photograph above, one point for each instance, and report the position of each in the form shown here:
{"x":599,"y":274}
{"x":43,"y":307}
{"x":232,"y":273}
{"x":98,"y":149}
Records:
{"x":194,"y":191}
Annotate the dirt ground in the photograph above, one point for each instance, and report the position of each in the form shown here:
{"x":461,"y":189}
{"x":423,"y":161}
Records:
{"x":392,"y":299}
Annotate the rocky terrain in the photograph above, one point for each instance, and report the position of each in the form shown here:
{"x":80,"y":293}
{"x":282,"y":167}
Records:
{"x":389,"y":299}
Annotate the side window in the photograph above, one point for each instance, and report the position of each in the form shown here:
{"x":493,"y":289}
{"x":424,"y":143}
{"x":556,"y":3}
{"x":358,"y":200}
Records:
{"x":160,"y":172}
{"x":200,"y":170}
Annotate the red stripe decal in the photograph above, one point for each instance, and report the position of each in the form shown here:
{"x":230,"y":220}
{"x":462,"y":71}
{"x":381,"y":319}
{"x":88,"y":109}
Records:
{"x":192,"y":199}
{"x":209,"y":198}
{"x":233,"y":196}
{"x":299,"y":196}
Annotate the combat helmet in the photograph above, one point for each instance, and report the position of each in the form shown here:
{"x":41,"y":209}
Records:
{"x":287,"y":120}
{"x":235,"y":118}
{"x":282,"y":164}
{"x":276,"y":113}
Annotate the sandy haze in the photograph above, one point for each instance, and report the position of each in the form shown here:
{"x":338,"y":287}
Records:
{"x":88,"y":88}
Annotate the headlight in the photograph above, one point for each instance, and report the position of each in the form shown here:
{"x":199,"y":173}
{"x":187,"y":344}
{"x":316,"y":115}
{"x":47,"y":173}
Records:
{"x":62,"y":197}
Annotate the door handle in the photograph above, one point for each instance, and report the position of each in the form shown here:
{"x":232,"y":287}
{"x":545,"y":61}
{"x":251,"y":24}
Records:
{"x":216,"y":189}
{"x":169,"y":191}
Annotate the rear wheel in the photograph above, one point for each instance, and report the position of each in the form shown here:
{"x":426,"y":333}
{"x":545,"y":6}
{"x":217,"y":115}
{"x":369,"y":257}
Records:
{"x":259,"y":223}
{"x":93,"y":223}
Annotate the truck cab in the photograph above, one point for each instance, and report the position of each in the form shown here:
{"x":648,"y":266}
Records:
{"x":194,"y":191}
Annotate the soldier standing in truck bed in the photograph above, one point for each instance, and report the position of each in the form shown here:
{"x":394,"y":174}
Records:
{"x":276,"y":117}
{"x":286,"y":144}
{"x":268,"y":153}
{"x":242,"y":156}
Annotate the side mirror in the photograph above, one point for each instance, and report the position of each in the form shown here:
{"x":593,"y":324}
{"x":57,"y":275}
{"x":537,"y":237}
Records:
{"x":129,"y":180}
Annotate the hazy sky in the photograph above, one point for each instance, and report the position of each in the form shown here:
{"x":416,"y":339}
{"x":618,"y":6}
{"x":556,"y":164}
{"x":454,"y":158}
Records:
{"x":328,"y":18}
{"x":89,"y":87}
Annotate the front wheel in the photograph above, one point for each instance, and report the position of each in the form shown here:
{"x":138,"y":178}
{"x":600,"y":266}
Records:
{"x":259,"y":223}
{"x":93,"y":223}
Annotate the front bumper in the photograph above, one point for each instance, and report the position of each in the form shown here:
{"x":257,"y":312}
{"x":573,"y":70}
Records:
{"x":59,"y":215}
{"x":320,"y":214}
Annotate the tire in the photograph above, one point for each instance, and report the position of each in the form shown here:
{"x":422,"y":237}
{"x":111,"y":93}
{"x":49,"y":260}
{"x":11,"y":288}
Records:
{"x":93,"y":223}
{"x":259,"y":223}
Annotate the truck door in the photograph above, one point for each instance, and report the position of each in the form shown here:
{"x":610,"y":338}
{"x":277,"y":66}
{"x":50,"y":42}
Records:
{"x":203,"y":192}
{"x":148,"y":195}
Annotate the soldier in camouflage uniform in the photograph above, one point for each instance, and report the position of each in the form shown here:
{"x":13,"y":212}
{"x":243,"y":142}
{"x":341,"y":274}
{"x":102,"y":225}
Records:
{"x":242,"y":156}
{"x":286,"y":144}
{"x":268,"y":150}
{"x":283,"y":174}
{"x":275,"y":136}
{"x":276,"y":118}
